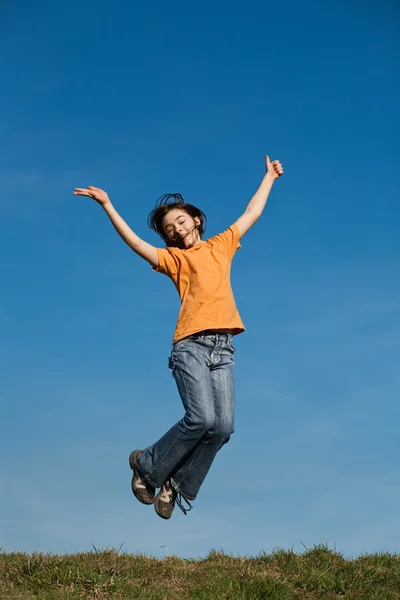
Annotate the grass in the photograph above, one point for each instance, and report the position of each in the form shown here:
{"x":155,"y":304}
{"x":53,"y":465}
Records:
{"x":318,"y":573}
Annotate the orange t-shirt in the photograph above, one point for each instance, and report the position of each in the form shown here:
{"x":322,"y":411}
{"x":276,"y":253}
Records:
{"x":202,"y":278}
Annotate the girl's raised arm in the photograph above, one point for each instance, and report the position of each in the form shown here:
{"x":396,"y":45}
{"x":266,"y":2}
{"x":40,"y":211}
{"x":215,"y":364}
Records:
{"x":145,"y":250}
{"x":256,"y":205}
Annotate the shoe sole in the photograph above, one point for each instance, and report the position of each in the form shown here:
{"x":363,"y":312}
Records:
{"x":132,"y":462}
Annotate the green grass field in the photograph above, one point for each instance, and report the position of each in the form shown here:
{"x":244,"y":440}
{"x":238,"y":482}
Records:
{"x":283,"y":575}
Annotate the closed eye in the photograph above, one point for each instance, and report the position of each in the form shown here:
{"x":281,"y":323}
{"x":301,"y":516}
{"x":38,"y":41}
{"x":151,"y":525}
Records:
{"x":171,"y":227}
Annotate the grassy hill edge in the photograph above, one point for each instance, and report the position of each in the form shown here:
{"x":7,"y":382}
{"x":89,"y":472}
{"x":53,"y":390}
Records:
{"x":318,"y":573}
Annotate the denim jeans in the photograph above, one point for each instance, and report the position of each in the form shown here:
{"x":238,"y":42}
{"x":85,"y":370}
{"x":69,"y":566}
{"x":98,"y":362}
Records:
{"x":202,"y":366}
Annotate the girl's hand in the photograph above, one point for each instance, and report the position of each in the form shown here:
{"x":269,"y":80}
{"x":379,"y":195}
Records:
{"x":92,"y":192}
{"x":274,"y":168}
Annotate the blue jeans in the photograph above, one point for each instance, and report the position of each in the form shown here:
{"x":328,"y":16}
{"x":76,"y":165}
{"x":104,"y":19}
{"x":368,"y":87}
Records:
{"x":202,"y":366}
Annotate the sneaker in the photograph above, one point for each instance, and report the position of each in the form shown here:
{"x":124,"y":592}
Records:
{"x":143,"y":491}
{"x":164,"y":502}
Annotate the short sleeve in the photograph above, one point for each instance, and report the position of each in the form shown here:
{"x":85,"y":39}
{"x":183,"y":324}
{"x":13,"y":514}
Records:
{"x":228,"y":240}
{"x":168,"y":261}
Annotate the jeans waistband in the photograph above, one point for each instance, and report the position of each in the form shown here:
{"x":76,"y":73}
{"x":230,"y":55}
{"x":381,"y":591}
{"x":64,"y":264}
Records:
{"x":210,"y":333}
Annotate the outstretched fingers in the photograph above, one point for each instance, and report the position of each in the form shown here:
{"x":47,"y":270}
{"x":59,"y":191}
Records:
{"x":93,"y":192}
{"x":84,"y":191}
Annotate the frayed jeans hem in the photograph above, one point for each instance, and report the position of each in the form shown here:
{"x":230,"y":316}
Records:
{"x":179,"y":491}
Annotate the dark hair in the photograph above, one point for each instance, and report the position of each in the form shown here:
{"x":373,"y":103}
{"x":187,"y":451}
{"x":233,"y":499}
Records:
{"x":166,"y":203}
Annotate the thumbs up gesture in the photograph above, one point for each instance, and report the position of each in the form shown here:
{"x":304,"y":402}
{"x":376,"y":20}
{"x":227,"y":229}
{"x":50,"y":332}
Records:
{"x":274,"y":168}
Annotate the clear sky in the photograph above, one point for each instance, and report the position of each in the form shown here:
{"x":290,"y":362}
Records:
{"x":143,"y":99}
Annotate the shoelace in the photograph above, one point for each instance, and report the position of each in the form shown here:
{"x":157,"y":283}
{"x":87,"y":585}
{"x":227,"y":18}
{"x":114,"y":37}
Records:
{"x":170,"y":495}
{"x":179,"y":499}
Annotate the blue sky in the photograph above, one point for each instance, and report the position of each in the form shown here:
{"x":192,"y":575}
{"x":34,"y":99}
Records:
{"x":145,"y":100}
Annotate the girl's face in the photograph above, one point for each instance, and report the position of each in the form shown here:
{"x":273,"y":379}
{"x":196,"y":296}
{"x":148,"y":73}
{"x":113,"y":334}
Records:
{"x":177,"y":221}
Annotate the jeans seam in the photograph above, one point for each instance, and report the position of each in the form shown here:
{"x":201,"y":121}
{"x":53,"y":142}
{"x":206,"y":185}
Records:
{"x":204,"y":444}
{"x":177,"y":441}
{"x":188,"y":471}
{"x":192,"y":464}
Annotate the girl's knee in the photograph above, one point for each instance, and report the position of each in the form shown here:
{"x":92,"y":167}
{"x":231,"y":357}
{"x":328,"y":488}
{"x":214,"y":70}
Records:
{"x":223,"y":431}
{"x":201,"y":424}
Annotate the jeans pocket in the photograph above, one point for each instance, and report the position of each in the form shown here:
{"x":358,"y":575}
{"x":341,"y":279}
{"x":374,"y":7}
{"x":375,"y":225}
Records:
{"x":172,"y":362}
{"x":231,"y":347}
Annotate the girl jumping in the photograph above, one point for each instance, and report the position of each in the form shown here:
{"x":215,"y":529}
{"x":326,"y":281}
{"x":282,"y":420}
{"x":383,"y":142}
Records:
{"x":201,"y":359}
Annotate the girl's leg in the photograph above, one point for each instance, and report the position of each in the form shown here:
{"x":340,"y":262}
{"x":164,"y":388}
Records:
{"x":190,"y":363}
{"x":190,"y":474}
